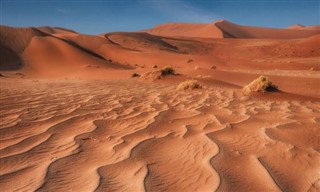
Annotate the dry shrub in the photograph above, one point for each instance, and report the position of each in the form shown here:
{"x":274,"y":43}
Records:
{"x":158,"y":74}
{"x":168,"y":70}
{"x":190,"y":60}
{"x":135,"y":75}
{"x":262,"y":84}
{"x":153,"y":75}
{"x":189,"y":84}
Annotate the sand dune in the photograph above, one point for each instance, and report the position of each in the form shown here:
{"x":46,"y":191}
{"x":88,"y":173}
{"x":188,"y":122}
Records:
{"x":74,"y":119}
{"x":36,"y":53}
{"x":232,"y":30}
{"x":226,"y":29}
{"x":297,"y":26}
{"x":135,"y":50}
{"x":13,"y":42}
{"x":187,"y":30}
{"x":60,"y":57}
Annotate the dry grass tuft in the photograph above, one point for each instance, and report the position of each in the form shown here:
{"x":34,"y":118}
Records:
{"x":189,"y":84}
{"x":262,"y":84}
{"x":159,"y":74}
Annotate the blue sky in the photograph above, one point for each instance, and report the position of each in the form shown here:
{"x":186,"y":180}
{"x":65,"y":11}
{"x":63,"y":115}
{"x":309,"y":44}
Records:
{"x":98,"y":16}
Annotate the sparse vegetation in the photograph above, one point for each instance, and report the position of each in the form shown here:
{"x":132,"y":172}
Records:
{"x":190,"y":60}
{"x":135,"y":75}
{"x":262,"y":84}
{"x":168,"y":70}
{"x":189,"y":84}
{"x":158,"y":74}
{"x":213,"y":67}
{"x":155,"y":66}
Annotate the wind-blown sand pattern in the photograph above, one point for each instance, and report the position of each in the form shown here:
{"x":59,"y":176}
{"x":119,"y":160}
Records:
{"x":93,"y":136}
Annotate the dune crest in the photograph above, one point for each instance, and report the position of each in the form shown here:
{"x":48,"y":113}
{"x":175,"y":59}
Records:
{"x":226,"y":29}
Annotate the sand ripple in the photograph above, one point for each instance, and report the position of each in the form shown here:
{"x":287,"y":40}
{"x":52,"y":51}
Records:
{"x":138,"y":136}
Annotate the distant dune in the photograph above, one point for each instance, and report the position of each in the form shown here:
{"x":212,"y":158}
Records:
{"x":54,"y":51}
{"x":187,"y":30}
{"x":226,"y":29}
{"x":302,"y":27}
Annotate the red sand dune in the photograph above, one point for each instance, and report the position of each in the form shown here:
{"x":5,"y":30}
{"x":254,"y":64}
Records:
{"x":73,"y":119}
{"x":187,"y":30}
{"x":226,"y":29}
{"x":41,"y":54}
{"x":13,"y":42}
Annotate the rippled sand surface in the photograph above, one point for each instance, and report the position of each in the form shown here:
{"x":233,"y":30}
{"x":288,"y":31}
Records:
{"x":129,"y":135}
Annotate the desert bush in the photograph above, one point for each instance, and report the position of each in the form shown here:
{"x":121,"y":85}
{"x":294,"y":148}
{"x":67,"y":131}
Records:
{"x":152,"y":75}
{"x":189,"y":84}
{"x":213,"y":67}
{"x":190,"y":60}
{"x":261,"y":84}
{"x":155,"y":66}
{"x":135,"y":75}
{"x":168,"y":70}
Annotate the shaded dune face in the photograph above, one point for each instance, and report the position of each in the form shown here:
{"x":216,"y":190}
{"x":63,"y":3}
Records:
{"x":13,"y":41}
{"x":56,"y":30}
{"x":36,"y":52}
{"x":93,"y":136}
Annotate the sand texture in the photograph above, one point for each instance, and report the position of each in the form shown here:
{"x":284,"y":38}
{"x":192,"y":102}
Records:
{"x":91,"y":136}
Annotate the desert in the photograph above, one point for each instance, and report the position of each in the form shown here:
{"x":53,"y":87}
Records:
{"x":177,"y":107}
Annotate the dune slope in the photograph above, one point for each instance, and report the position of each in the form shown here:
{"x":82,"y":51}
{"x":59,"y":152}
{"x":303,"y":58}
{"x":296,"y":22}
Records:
{"x":226,"y":29}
